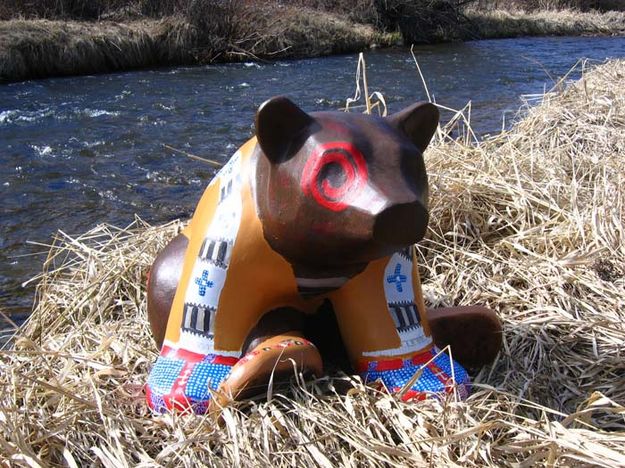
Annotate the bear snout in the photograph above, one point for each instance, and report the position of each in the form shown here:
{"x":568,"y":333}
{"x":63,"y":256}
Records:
{"x":401,"y":225}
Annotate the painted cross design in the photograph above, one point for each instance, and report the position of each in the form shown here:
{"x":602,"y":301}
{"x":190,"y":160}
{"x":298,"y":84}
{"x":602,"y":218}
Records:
{"x":397,"y":278}
{"x":203,"y":283}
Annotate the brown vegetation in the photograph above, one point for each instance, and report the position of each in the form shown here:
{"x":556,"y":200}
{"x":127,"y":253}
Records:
{"x":541,"y":5}
{"x":40,"y":48}
{"x":66,"y":37}
{"x":204,"y":32}
{"x":374,"y":12}
{"x":528,"y":222}
{"x":504,"y":23}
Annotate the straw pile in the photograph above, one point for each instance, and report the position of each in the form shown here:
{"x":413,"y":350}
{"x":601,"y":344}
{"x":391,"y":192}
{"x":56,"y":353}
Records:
{"x":529,"y":222}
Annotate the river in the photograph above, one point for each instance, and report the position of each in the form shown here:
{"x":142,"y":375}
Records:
{"x":79,"y":151}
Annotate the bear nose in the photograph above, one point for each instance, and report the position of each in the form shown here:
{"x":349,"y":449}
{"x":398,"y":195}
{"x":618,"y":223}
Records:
{"x":401,"y":225}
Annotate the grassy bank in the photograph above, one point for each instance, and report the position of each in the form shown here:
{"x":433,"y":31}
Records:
{"x":70,"y":37}
{"x":41,"y":48}
{"x":491,"y":24}
{"x":529,"y":222}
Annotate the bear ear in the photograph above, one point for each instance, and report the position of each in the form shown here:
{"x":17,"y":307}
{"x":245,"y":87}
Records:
{"x":418,"y":122}
{"x":278,"y":123}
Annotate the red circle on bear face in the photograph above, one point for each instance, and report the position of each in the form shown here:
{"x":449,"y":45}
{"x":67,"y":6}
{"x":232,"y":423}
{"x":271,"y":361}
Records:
{"x":353,"y":170}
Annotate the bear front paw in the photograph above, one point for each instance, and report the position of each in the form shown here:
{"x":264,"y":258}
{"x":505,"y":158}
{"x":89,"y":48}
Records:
{"x":274,"y":359}
{"x":182,"y":380}
{"x":439,"y":375}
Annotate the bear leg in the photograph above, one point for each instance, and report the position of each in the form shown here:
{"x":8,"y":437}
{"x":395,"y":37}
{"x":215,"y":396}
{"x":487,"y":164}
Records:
{"x":274,"y":349}
{"x":383,"y":322}
{"x":275,"y":359}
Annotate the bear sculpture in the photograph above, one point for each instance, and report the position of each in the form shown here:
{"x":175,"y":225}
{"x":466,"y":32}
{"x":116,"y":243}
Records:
{"x":319,"y":208}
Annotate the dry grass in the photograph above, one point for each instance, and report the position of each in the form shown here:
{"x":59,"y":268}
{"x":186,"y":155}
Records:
{"x":304,"y":32}
{"x":488,"y":24}
{"x":533,"y":5}
{"x":42,"y":48}
{"x":530,"y":222}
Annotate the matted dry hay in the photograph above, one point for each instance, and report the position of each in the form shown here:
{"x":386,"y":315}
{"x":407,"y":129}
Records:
{"x":529,"y":222}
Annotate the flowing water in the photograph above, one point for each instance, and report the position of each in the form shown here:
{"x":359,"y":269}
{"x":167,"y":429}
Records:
{"x":75,"y":152}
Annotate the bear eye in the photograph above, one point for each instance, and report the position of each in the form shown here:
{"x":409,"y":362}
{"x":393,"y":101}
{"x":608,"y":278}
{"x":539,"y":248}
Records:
{"x":334,"y":174}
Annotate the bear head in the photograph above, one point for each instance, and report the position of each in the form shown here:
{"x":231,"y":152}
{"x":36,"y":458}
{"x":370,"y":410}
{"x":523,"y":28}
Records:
{"x":336,"y":190}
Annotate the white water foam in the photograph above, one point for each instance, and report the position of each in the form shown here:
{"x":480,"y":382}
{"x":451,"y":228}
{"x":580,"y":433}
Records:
{"x":42,"y":150}
{"x":98,"y":113}
{"x":16,"y":115}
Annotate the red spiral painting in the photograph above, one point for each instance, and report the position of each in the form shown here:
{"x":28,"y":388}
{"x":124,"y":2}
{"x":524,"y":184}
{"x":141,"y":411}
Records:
{"x":352,"y":166}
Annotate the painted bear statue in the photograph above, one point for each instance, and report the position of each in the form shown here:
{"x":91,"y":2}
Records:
{"x":318,"y":209}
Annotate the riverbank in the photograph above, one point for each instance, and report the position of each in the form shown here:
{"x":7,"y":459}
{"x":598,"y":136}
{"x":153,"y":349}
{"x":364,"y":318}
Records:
{"x":41,"y":48}
{"x":528,"y":222}
{"x":497,"y":24}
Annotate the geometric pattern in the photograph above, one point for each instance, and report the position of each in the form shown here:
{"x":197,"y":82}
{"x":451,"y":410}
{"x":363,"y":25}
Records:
{"x":181,"y":382}
{"x":209,"y":270}
{"x":203,"y":283}
{"x":435,"y":376}
{"x":216,"y":251}
{"x":402,"y":307}
{"x":397,"y":278}
{"x":405,"y":315}
{"x":199,"y":319}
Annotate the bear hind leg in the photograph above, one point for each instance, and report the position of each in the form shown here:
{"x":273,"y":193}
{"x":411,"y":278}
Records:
{"x":474,"y":333}
{"x":163,"y":281}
